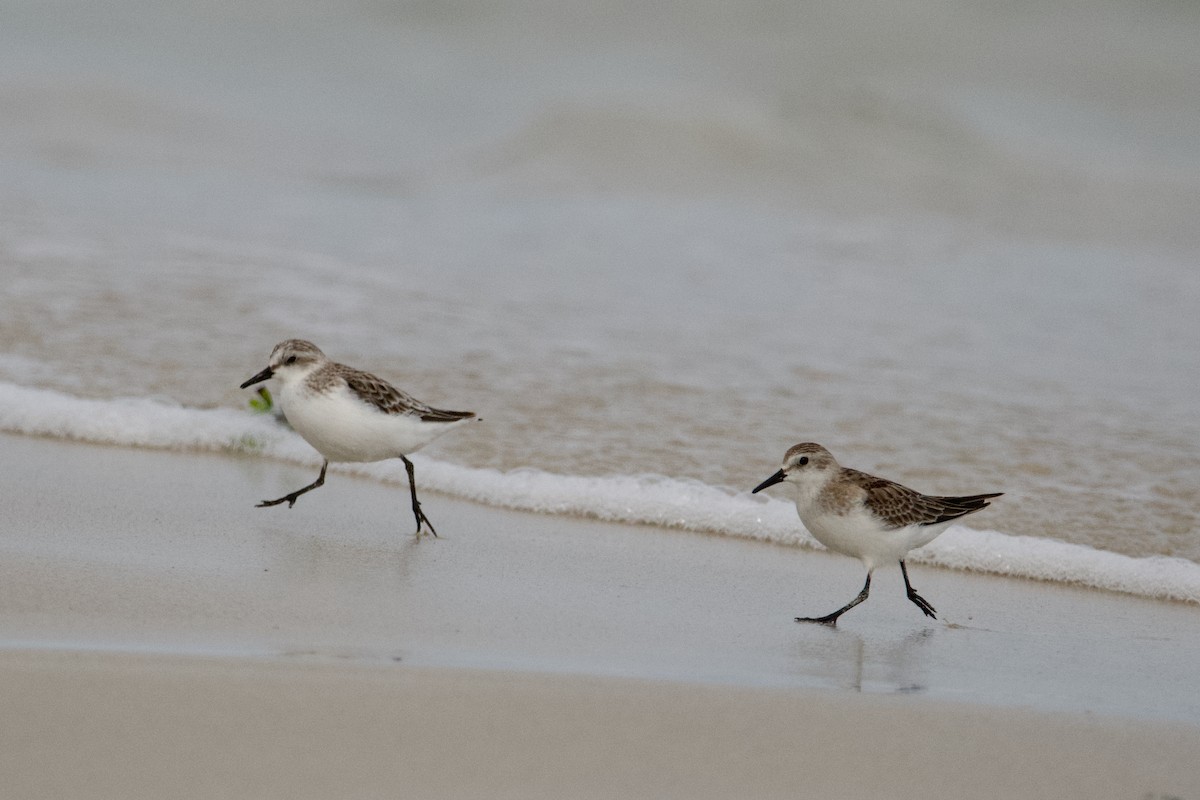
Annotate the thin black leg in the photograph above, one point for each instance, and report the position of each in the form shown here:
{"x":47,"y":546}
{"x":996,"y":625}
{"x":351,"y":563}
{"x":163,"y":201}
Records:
{"x":921,"y":602}
{"x":831,"y":619}
{"x":291,"y":498}
{"x":417,"y":512}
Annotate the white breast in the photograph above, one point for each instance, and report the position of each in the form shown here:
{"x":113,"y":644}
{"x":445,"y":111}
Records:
{"x":343,"y":428}
{"x":859,"y":534}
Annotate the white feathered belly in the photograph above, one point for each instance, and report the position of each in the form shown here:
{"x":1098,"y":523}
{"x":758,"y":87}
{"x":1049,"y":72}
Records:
{"x":859,"y":534}
{"x":343,"y":428}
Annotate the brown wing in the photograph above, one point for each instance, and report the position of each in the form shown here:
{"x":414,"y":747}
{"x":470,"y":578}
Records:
{"x":900,"y":506}
{"x":955,"y":507}
{"x":390,"y":400}
{"x":442,"y":415}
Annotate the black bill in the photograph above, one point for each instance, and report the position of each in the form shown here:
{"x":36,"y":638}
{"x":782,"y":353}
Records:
{"x":262,"y":376}
{"x":771,"y":481}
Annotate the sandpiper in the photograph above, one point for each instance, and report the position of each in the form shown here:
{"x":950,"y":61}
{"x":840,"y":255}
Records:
{"x":872,"y":519}
{"x":351,"y":415}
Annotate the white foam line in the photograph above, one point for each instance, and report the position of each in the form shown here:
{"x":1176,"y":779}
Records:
{"x":684,"y":504}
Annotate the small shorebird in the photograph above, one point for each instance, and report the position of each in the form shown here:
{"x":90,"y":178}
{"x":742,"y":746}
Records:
{"x":351,"y":415}
{"x":872,"y":519}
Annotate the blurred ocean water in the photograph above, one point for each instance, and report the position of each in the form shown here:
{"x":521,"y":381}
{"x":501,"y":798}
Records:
{"x":956,"y":244}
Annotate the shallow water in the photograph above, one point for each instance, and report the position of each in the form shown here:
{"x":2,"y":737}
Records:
{"x":956,"y":245}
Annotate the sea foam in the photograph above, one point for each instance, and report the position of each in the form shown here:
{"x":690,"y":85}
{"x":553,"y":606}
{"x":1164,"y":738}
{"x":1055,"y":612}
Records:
{"x":646,"y":499}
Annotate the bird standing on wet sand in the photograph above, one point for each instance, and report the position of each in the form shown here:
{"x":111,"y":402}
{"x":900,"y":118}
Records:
{"x":351,"y":415}
{"x":872,"y":519}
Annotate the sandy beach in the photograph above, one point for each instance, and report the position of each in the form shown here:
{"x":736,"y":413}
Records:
{"x":652,"y":247}
{"x":165,"y":638}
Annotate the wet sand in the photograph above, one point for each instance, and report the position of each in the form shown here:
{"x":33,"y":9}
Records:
{"x":163,"y":637}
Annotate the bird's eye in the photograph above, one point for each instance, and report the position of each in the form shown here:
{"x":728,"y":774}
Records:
{"x":803,"y":460}
{"x":290,"y":360}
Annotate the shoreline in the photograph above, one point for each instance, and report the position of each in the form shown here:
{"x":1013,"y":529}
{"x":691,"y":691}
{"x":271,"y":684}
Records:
{"x":642,"y":500}
{"x":146,"y":602}
{"x":165,"y":552}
